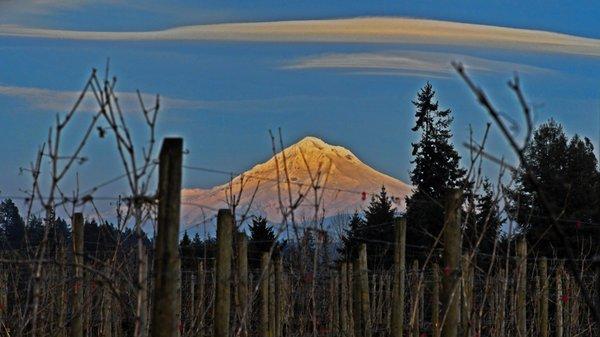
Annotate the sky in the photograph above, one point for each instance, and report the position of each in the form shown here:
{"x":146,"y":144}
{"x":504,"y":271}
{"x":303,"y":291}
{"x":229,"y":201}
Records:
{"x":344,"y":71}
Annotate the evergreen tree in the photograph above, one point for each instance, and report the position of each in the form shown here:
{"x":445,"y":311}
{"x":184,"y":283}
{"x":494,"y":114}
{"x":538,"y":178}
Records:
{"x":262,"y":237}
{"x":379,"y":230}
{"x":485,"y":221}
{"x":197,"y":245}
{"x":436,"y":169}
{"x":566,"y":170}
{"x":351,"y":238}
{"x":188,"y":261}
{"x":34,"y":231}
{"x":376,"y":231}
{"x":12,"y":225}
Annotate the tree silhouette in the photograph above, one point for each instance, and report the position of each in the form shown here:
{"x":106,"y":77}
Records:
{"x":436,"y":169}
{"x":568,"y":175}
{"x":351,"y":238}
{"x":262,"y":237}
{"x":376,"y":231}
{"x":12,"y":225}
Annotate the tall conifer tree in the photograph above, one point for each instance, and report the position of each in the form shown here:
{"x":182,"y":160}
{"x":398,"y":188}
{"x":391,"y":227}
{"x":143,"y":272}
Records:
{"x":567,"y":172}
{"x":436,"y":169}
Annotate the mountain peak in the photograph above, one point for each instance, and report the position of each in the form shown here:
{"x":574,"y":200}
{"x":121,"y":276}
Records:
{"x":345,"y":180}
{"x":316,"y":149}
{"x":311,"y":142}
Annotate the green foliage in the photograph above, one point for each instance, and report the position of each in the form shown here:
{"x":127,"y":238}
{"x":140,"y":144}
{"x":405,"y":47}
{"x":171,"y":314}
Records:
{"x":12,"y":226}
{"x":352,"y":238}
{"x":567,"y":171}
{"x":187,"y":252}
{"x":484,"y":222}
{"x":436,"y":169}
{"x":262,"y":237}
{"x":376,"y":231}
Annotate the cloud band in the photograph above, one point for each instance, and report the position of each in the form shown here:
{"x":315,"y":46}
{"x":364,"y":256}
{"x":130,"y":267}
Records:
{"x":355,"y":30}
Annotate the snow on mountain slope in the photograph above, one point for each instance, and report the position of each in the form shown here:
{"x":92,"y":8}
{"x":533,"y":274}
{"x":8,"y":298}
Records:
{"x":347,"y":183}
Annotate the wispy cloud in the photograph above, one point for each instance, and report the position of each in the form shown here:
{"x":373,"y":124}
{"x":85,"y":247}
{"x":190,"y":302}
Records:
{"x":57,"y":100}
{"x":42,"y":7}
{"x":363,"y":30}
{"x":44,"y":99}
{"x":407,"y":63}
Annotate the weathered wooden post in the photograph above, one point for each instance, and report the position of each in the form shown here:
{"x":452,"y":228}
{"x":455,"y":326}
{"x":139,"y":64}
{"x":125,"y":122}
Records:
{"x":77,"y":320}
{"x":62,"y":292}
{"x":522,"y":288}
{"x":451,"y":259}
{"x":4,"y":277}
{"x":364,"y":291}
{"x":499,"y":323}
{"x":351,"y":302}
{"x":415,"y":299}
{"x":142,"y":325}
{"x":537,"y":302}
{"x":399,"y":271}
{"x":467,"y":294}
{"x":4,"y":312}
{"x":543,"y":328}
{"x":264,"y":295}
{"x":106,"y":312}
{"x":356,"y":299}
{"x":596,"y":268}
{"x":279,"y":297}
{"x":435,"y":301}
{"x":272,"y":314}
{"x":333,"y":304}
{"x":166,"y":273}
{"x":344,"y":324}
{"x":242,"y":286}
{"x":567,"y":304}
{"x":201,"y":277}
{"x":223,"y":273}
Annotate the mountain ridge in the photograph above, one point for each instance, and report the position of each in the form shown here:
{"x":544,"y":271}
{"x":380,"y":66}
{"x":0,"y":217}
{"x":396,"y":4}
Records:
{"x":344,"y":184}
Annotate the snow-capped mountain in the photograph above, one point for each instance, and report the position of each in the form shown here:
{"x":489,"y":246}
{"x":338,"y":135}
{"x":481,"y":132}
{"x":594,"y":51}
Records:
{"x":345,"y":184}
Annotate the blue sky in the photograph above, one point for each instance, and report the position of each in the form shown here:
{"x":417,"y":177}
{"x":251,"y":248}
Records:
{"x":223,"y":95}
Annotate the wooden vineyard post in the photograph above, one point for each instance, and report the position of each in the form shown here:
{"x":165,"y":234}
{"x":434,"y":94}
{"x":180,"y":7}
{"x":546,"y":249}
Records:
{"x":106,"y":313}
{"x":451,"y":259}
{"x":223,"y":273}
{"x":344,"y":323}
{"x":414,"y":300}
{"x":264,"y":295}
{"x":356,"y":304}
{"x":566,"y":304}
{"x":399,"y":281}
{"x":333,"y":304}
{"x":4,"y":277}
{"x":143,"y":317}
{"x":166,"y":273}
{"x":543,"y":328}
{"x":279,"y":297}
{"x":272,"y":314}
{"x":500,"y":291}
{"x":522,"y":289}
{"x":364,"y":291}
{"x":242,"y":286}
{"x":435,"y":301}
{"x":201,"y":277}
{"x":77,"y":320}
{"x":467,"y":294}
